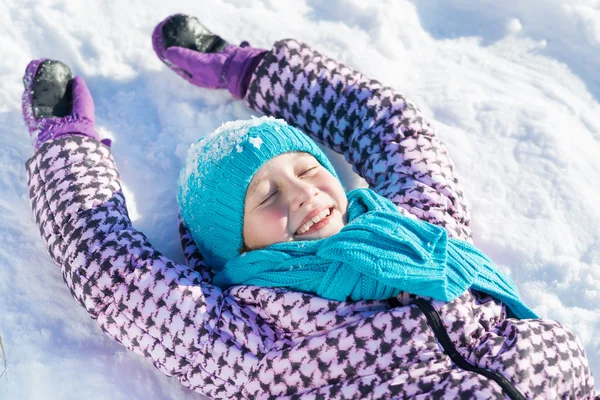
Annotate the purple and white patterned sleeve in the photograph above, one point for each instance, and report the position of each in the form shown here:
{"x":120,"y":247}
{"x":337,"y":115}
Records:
{"x":163,"y":310}
{"x":192,"y":255}
{"x":377,"y":130}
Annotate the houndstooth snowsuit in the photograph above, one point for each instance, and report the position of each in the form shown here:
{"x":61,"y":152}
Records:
{"x":251,"y":342}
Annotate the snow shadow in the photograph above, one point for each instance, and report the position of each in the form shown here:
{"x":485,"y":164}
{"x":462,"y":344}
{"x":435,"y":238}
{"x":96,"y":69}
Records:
{"x":571,"y":33}
{"x":127,"y":112}
{"x":349,"y":13}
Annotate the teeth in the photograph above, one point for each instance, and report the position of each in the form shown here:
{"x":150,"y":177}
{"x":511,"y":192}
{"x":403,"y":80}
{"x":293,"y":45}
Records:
{"x":305,"y":227}
{"x":313,"y":221}
{"x":319,"y":217}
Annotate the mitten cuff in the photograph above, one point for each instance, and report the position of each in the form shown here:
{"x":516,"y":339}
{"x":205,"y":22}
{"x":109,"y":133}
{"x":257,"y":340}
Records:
{"x":59,"y":127}
{"x":239,"y":69}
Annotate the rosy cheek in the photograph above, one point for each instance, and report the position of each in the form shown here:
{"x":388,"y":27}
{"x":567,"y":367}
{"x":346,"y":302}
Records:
{"x":276,"y":216}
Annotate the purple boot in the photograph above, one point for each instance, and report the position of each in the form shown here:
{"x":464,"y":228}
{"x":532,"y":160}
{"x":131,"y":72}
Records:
{"x":203,"y":58}
{"x":55,"y":104}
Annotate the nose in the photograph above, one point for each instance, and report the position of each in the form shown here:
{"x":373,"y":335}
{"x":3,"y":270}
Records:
{"x":302,"y":193}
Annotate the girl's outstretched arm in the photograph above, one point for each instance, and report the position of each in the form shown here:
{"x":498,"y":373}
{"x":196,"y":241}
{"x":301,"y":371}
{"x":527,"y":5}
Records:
{"x":381,"y":134}
{"x":163,"y":310}
{"x":168,"y":312}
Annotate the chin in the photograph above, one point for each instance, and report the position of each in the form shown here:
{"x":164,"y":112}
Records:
{"x":334,"y":230}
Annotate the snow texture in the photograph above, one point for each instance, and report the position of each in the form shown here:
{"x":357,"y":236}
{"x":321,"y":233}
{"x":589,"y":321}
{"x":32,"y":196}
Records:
{"x":511,"y":87}
{"x":218,"y":145}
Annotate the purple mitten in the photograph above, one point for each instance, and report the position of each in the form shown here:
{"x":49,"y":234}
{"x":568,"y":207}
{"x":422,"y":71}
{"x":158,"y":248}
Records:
{"x":202,"y":58}
{"x":55,"y":104}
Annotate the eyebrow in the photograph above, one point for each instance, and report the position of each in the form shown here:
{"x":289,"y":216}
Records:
{"x":254,"y":185}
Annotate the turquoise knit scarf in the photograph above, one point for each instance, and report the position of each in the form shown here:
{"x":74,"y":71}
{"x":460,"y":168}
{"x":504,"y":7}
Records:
{"x":379,"y":254}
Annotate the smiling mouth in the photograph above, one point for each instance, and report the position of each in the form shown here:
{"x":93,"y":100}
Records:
{"x":315,"y":223}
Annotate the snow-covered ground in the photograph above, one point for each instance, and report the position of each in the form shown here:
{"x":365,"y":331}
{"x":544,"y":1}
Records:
{"x":511,"y":86}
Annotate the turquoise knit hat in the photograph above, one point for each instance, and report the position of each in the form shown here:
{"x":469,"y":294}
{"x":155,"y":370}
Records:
{"x":216,"y":175}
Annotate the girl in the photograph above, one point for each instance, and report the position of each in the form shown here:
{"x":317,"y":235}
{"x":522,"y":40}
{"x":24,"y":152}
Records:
{"x":293,"y":289}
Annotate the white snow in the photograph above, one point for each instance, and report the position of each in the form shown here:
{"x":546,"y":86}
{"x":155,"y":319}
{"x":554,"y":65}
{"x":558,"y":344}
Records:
{"x":217,"y":145}
{"x":256,"y":142}
{"x":511,"y":86}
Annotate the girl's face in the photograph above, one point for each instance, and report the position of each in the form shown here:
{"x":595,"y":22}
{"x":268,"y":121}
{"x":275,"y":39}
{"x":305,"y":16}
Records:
{"x":292,"y":197}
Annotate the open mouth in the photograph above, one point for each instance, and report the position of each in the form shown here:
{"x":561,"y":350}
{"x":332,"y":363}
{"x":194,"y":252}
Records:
{"x":315,"y":223}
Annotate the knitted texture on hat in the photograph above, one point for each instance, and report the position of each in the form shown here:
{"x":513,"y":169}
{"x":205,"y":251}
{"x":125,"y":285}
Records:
{"x":216,"y":175}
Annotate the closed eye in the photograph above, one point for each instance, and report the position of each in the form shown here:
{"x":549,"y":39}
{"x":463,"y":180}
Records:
{"x":308,"y":171}
{"x":273,"y":195}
